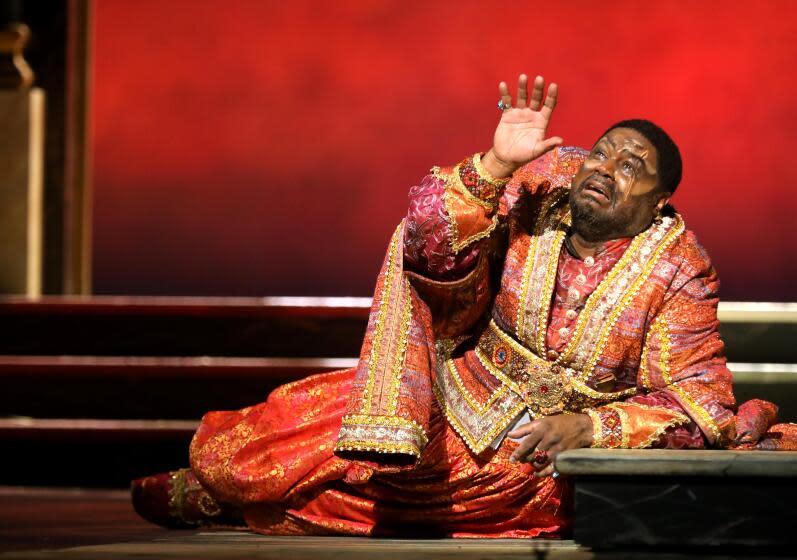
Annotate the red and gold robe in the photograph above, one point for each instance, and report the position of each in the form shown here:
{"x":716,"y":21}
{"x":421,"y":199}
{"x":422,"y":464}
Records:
{"x":480,"y":315}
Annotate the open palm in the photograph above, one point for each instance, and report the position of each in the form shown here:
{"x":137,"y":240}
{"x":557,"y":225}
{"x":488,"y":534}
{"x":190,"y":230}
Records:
{"x":520,"y":135}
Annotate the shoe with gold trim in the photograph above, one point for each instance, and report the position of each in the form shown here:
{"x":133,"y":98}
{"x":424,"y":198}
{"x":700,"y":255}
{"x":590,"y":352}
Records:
{"x":176,"y":500}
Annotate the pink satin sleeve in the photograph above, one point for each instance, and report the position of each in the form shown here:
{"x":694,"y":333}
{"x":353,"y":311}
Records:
{"x":427,"y":239}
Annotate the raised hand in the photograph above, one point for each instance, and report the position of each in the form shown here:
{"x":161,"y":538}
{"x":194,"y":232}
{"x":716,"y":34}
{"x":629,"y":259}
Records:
{"x":520,"y":136}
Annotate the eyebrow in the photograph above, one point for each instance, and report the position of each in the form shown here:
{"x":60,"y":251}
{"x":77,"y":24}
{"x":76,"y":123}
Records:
{"x":634,"y":156}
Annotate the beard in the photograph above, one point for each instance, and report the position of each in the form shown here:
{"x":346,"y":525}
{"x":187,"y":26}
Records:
{"x":593,"y":225}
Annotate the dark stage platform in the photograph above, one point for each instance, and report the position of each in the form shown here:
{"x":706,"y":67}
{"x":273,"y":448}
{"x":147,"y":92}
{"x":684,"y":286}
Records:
{"x":59,"y":523}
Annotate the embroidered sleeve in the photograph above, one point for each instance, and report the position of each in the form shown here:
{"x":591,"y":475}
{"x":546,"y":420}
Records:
{"x":632,"y":425}
{"x":449,"y":213}
{"x":688,"y":397}
{"x":683,"y":360}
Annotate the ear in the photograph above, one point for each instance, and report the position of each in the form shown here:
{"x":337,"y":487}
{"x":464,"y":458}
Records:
{"x":661,"y":202}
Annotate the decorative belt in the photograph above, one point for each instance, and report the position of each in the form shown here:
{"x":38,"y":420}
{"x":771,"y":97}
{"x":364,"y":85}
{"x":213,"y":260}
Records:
{"x":544,"y":386}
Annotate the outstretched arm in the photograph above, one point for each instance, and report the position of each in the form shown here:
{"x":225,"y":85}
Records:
{"x":453,"y":209}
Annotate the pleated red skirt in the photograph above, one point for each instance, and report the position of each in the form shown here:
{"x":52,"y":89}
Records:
{"x":275,"y":461}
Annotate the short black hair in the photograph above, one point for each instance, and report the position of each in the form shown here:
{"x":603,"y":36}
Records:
{"x":670,"y":166}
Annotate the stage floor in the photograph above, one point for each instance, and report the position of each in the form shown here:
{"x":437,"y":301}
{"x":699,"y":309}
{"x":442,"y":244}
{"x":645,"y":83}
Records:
{"x":87,"y":524}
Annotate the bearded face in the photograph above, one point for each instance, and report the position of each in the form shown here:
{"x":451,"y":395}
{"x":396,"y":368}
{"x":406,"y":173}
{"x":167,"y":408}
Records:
{"x":615,"y":192}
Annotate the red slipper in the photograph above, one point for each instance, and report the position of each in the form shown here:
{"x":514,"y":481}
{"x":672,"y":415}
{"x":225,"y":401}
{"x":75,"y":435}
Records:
{"x":176,"y":500}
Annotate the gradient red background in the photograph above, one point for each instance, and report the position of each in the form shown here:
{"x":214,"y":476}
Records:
{"x":266,"y":148}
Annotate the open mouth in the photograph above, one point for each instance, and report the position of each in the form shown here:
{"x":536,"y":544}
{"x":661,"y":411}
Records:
{"x":597,"y":190}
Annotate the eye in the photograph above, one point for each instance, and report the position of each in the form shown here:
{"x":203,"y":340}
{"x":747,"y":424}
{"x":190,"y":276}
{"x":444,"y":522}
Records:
{"x":628,"y":167}
{"x":599,"y":154}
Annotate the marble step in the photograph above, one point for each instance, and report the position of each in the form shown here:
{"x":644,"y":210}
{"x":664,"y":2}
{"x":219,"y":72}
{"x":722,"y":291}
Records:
{"x":683,"y":498}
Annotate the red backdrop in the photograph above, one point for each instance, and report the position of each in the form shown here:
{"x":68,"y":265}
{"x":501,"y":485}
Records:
{"x":266,"y":148}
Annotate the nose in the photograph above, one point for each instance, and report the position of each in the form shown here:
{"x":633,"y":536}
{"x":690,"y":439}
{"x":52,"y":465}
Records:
{"x":605,"y":167}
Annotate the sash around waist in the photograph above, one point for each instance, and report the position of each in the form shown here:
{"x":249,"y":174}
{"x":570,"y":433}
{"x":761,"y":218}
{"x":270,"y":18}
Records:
{"x":546,"y":387}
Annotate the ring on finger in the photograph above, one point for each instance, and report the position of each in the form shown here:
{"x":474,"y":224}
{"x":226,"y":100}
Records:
{"x":540,"y":457}
{"x":503,"y":106}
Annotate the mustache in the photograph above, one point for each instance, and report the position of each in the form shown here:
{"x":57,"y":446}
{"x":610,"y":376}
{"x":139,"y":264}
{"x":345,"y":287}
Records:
{"x":601,"y":183}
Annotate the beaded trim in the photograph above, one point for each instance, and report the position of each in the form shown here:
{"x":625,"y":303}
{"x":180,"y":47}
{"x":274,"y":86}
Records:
{"x":477,"y":425}
{"x":613,"y":298}
{"x":481,"y":184}
{"x":546,"y":241}
{"x":390,"y":339}
{"x":382,"y":434}
{"x":659,"y":328}
{"x":604,"y":306}
{"x":467,"y":395}
{"x":452,"y":183}
{"x":625,"y":432}
{"x":597,"y":427}
{"x":697,"y":411}
{"x":607,"y":429}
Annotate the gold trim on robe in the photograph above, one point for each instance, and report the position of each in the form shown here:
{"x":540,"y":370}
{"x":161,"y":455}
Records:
{"x":373,"y":421}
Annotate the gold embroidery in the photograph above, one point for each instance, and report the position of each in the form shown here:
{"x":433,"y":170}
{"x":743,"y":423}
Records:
{"x":531,"y":294}
{"x":378,"y":447}
{"x":697,"y":410}
{"x":505,"y":380}
{"x":575,"y":394}
{"x":579,"y":385}
{"x":596,"y":296}
{"x":664,"y":351}
{"x":485,"y":438}
{"x":547,"y":288}
{"x":384,"y":302}
{"x":398,"y":360}
{"x":644,"y":371}
{"x":631,"y":292}
{"x":477,"y":430}
{"x":452,"y":181}
{"x":624,"y":421}
{"x":660,"y":329}
{"x":467,"y":395}
{"x":391,"y":421}
{"x":597,"y":427}
{"x":486,"y":175}
{"x":383,"y":434}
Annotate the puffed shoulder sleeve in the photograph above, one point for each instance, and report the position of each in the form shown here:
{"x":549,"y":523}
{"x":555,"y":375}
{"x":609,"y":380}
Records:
{"x":450,"y":212}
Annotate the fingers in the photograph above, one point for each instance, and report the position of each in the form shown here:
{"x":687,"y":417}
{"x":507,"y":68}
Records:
{"x":547,"y":471}
{"x":535,"y":103}
{"x":550,"y":143}
{"x":550,"y":100}
{"x":503,"y":90}
{"x":522,"y":90}
{"x":526,"y":446}
{"x":536,"y":93}
{"x":522,"y":431}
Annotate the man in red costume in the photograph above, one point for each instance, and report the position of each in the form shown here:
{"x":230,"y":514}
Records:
{"x":536,"y":299}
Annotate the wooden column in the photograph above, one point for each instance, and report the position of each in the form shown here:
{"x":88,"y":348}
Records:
{"x":22,"y":164}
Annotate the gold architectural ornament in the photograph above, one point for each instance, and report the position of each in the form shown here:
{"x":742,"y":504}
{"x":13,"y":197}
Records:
{"x":15,"y":73}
